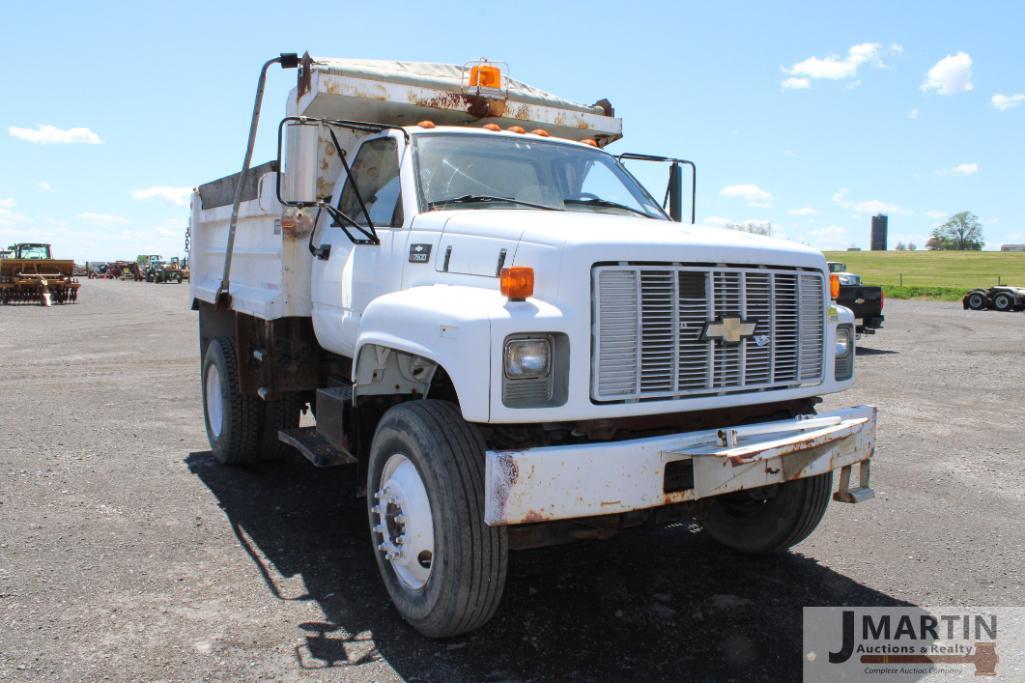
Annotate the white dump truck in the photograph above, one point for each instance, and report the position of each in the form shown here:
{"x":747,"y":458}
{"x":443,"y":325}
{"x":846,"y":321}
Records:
{"x":508,"y":336}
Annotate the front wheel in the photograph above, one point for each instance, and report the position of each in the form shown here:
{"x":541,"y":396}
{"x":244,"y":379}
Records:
{"x":977,"y":301}
{"x":768,"y":519}
{"x":444,"y":568}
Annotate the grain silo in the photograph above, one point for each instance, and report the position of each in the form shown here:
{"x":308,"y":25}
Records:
{"x":879,"y":232}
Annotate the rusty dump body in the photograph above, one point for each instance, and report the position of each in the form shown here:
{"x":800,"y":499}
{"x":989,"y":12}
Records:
{"x":37,"y":280}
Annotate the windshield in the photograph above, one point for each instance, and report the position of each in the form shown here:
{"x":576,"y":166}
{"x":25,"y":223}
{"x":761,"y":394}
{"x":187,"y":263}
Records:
{"x":456,"y":171}
{"x":34,"y":251}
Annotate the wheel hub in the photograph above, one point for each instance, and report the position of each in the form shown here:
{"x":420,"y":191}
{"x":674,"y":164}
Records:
{"x":403,"y":523}
{"x":214,"y":412}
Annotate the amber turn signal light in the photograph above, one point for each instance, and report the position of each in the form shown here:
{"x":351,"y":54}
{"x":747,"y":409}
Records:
{"x":517,"y":282}
{"x":834,"y":286}
{"x":426,"y":124}
{"x":492,"y":126}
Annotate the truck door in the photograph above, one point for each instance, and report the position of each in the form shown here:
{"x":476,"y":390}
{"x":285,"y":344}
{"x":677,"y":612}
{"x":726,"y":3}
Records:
{"x":350,"y":276}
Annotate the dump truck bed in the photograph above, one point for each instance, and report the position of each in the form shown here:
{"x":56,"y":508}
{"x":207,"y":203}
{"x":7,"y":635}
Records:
{"x":403,"y":93}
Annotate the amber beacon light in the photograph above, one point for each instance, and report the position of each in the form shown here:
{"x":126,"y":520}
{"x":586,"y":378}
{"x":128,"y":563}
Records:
{"x":517,"y":282}
{"x":485,"y":76}
{"x":834,"y":286}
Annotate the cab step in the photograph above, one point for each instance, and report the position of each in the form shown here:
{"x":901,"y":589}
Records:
{"x":315,"y":447}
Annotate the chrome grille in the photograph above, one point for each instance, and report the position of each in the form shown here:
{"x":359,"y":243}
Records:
{"x":649,"y":324}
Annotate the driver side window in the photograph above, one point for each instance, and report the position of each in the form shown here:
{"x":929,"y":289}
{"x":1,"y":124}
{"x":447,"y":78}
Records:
{"x":376,"y":173}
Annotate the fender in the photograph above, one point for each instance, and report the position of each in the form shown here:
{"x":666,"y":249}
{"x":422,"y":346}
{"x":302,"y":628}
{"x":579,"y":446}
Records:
{"x":446,"y":325}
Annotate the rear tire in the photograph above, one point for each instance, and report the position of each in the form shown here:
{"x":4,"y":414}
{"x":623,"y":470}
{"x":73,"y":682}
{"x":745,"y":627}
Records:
{"x":233,"y":419}
{"x":977,"y":301}
{"x":425,"y":489}
{"x":769,"y":519}
{"x":1003,"y":302}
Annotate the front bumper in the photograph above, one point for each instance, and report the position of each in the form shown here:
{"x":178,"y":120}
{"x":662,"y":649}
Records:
{"x":586,"y":480}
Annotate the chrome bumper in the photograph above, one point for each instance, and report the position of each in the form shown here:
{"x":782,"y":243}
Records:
{"x":586,"y":480}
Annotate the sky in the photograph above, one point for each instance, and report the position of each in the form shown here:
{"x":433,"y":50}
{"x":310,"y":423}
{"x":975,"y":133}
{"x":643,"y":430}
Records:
{"x":812,"y":117}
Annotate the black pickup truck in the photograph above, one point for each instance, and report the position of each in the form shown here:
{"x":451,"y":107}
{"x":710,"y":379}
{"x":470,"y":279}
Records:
{"x":866,"y":301}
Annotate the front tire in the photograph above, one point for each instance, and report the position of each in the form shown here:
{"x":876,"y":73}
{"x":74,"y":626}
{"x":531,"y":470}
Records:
{"x":768,"y":519}
{"x":444,"y":568}
{"x":977,"y":301}
{"x":233,"y":419}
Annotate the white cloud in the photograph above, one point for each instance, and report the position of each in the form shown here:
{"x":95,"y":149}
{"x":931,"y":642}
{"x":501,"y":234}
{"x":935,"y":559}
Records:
{"x":44,"y":186}
{"x":913,"y":113}
{"x":103,"y":218}
{"x":176,"y":196}
{"x":855,"y":84}
{"x":829,"y":238}
{"x":874,"y":206}
{"x":10,"y":218}
{"x":950,"y":75}
{"x":833,"y":67}
{"x":959,"y":170}
{"x":793,"y":83}
{"x":1003,"y":102}
{"x":789,"y":153}
{"x":989,"y":221}
{"x":806,"y":210}
{"x":932,"y":213}
{"x":171,"y":227}
{"x":840,"y":197}
{"x":45,"y":134}
{"x":896,"y":49}
{"x":752,"y":194}
{"x":717,"y":221}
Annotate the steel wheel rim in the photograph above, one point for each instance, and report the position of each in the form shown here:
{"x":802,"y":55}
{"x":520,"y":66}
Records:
{"x":214,"y":406}
{"x":975,"y":301}
{"x":403,"y":522}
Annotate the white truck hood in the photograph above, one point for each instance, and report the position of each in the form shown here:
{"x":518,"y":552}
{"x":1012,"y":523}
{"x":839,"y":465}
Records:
{"x":614,"y":237}
{"x":571,"y":242}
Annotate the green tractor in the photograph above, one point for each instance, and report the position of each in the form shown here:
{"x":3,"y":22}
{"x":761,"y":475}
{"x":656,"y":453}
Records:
{"x":165,"y":271}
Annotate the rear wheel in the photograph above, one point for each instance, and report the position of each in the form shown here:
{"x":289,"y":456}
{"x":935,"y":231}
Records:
{"x":233,"y":419}
{"x":1003,"y":302}
{"x":768,"y":519}
{"x":977,"y":301}
{"x":444,"y":568}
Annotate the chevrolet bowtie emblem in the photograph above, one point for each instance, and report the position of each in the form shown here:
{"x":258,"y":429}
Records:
{"x":730,"y":329}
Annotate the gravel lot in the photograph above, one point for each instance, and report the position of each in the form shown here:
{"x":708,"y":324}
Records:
{"x":126,"y":553}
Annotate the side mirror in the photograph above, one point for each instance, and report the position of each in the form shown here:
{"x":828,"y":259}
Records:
{"x":676,"y":192}
{"x":302,"y":144}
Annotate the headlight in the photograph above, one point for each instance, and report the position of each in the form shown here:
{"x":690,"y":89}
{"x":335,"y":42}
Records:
{"x":843,"y":341}
{"x":844,"y":361}
{"x":527,"y":358}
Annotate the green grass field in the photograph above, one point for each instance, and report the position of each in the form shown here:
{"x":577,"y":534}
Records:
{"x":933,"y":274}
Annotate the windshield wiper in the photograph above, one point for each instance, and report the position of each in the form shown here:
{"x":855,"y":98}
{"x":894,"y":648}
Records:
{"x":595,"y":201}
{"x":485,"y":198}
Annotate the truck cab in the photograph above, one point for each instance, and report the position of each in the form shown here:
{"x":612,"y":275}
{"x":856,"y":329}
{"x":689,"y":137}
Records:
{"x":512,"y":341}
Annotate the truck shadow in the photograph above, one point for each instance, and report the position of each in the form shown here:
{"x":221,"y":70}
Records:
{"x":869,"y":351}
{"x":651,"y":604}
